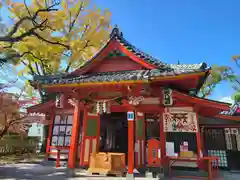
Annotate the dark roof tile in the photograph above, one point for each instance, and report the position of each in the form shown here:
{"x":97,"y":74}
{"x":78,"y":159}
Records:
{"x":232,"y":111}
{"x":114,"y":76}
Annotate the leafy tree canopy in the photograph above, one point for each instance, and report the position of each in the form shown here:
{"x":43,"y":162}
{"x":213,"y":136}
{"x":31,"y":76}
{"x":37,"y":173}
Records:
{"x":49,"y":37}
{"x":218,"y":74}
{"x":236,"y":80}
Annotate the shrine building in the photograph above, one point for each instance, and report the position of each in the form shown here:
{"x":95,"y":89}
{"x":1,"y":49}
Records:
{"x":125,"y":101}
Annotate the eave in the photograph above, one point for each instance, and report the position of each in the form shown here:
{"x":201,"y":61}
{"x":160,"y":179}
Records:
{"x":116,"y":42}
{"x":94,"y":84}
{"x":179,"y":76}
{"x":227,"y":117}
{"x":42,"y":107}
{"x":202,"y":102}
{"x":113,"y":78}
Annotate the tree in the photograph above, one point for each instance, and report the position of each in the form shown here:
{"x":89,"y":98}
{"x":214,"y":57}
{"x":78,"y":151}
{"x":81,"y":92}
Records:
{"x":236,"y":80}
{"x":13,"y":118}
{"x":72,"y":33}
{"x":218,"y":74}
{"x":48,"y":38}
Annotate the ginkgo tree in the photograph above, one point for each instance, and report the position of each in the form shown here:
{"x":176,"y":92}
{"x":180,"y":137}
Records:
{"x":66,"y":34}
{"x":61,"y":36}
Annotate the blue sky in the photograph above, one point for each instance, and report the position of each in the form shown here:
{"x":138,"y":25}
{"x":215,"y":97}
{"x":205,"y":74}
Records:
{"x":191,"y":31}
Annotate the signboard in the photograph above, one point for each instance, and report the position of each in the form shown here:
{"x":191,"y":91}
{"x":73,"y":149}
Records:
{"x":130,"y":116}
{"x":170,"y":149}
{"x":180,"y":122}
{"x":167,"y":97}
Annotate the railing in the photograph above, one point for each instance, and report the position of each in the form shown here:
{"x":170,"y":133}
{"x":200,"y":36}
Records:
{"x":58,"y":151}
{"x":205,"y":163}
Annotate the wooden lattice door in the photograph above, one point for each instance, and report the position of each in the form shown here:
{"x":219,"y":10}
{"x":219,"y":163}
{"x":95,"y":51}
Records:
{"x":140,"y":135}
{"x":215,"y":144}
{"x":91,"y":133}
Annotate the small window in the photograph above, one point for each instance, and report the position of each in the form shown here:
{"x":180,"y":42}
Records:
{"x":62,"y":130}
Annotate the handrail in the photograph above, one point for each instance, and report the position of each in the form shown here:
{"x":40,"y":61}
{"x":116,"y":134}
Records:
{"x":198,"y":161}
{"x":58,"y":159}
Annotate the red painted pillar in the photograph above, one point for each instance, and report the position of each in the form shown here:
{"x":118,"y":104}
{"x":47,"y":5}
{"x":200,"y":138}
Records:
{"x":84,"y":125}
{"x":199,"y":139}
{"x":50,"y":129}
{"x":131,"y":118}
{"x":162,"y":136}
{"x":58,"y":159}
{"x":75,"y":135}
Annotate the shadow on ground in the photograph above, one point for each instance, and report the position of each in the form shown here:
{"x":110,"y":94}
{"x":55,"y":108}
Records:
{"x":33,"y":171}
{"x":23,"y":171}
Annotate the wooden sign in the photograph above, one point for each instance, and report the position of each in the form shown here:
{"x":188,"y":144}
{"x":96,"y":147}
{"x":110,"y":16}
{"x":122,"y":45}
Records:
{"x":167,"y":97}
{"x":59,"y":101}
{"x":180,"y":122}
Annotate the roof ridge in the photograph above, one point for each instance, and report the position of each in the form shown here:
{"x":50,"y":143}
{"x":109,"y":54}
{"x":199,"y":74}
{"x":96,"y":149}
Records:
{"x":118,"y":35}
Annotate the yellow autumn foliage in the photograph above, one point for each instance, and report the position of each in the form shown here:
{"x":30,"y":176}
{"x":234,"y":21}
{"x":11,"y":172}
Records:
{"x":75,"y":29}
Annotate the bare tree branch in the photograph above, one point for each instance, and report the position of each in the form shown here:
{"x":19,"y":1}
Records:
{"x":50,"y":42}
{"x":32,"y":31}
{"x":76,"y":17}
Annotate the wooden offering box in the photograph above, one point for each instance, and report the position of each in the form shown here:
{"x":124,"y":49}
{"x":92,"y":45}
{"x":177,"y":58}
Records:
{"x":107,"y":163}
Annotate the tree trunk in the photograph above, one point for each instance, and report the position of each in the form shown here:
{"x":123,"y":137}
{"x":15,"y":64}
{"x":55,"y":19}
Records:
{"x":4,"y":131}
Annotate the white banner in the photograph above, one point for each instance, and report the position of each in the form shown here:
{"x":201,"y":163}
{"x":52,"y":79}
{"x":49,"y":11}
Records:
{"x":180,"y":122}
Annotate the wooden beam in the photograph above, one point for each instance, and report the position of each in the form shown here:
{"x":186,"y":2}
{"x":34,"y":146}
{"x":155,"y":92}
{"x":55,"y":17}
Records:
{"x":84,"y":124}
{"x":42,"y":107}
{"x":95,"y":84}
{"x":50,"y":129}
{"x":131,"y":146}
{"x":177,"y":77}
{"x":141,"y":108}
{"x":198,"y":136}
{"x":162,"y":136}
{"x":98,"y":57}
{"x":220,"y":125}
{"x":200,"y":102}
{"x":234,"y":118}
{"x":135,"y":58}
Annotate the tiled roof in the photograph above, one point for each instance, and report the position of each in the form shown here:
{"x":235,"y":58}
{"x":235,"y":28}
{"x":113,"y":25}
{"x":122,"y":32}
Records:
{"x":188,"y":66}
{"x":118,"y":35}
{"x":233,"y":110}
{"x":114,"y":76}
{"x":146,"y":57}
{"x":162,"y":69}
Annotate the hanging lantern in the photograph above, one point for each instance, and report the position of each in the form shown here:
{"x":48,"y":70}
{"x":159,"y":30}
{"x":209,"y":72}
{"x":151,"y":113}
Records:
{"x":108,"y":107}
{"x":59,"y":101}
{"x":104,"y":106}
{"x":167,"y":97}
{"x":98,"y":107}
